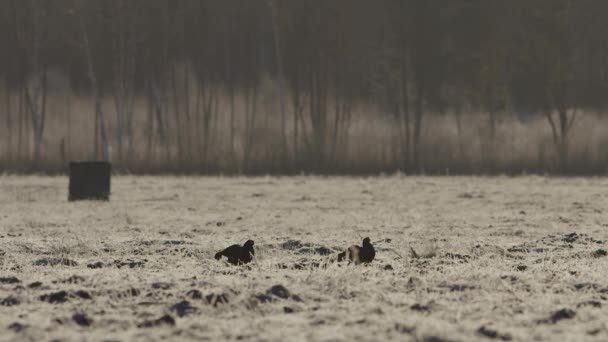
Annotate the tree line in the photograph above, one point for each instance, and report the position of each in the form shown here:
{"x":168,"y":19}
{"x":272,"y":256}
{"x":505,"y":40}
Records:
{"x":243,"y":86}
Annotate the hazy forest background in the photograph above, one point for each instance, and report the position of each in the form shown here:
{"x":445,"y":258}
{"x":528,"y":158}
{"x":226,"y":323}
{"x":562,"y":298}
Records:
{"x":319,"y":86}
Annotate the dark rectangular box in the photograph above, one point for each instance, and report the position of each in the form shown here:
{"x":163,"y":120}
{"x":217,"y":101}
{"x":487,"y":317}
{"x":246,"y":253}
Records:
{"x":90,"y":181}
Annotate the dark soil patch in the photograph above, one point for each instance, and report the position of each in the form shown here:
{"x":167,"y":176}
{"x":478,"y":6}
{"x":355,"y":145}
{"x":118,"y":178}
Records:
{"x":264,"y":298}
{"x":555,"y":242}
{"x":414,"y":283}
{"x":469,"y":195}
{"x":35,"y":285}
{"x":303,"y":265}
{"x":95,"y":265}
{"x":129,"y":263}
{"x":493,"y":334}
{"x":9,"y":301}
{"x":162,"y":286}
{"x":588,"y":287}
{"x":279,"y":291}
{"x":9,"y":280}
{"x":17,"y":327}
{"x":570,"y":237}
{"x":420,"y":308}
{"x":321,"y":250}
{"x":404,"y":329}
{"x":82,"y":319}
{"x":456,"y":256}
{"x":458,"y":287}
{"x":305,"y":248}
{"x":183,"y":308}
{"x":510,"y":278}
{"x":55,"y":262}
{"x":435,"y":339}
{"x":83,"y":294}
{"x":591,"y":303}
{"x":164,"y":320}
{"x":194,"y":294}
{"x":559,"y":315}
{"x":119,"y":294}
{"x":276,"y":292}
{"x":75,"y":279}
{"x":175,"y":242}
{"x":563,"y":314}
{"x":216,"y":299}
{"x":55,"y":297}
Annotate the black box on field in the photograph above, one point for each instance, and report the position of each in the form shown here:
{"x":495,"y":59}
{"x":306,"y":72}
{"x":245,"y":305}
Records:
{"x":90,"y":181}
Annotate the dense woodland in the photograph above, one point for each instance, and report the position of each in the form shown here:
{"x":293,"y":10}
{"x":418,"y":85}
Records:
{"x":289,"y":86}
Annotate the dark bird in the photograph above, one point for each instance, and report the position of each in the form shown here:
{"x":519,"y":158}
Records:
{"x":238,"y":254}
{"x":359,"y":254}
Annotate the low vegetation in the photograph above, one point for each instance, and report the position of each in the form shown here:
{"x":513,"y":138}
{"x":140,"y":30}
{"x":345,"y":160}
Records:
{"x":457,"y":259}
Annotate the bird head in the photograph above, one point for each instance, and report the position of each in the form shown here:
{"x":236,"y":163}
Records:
{"x":366,"y":241}
{"x":249,"y":244}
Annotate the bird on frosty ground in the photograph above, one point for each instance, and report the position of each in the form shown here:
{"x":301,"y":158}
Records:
{"x":359,"y":254}
{"x":237,"y":254}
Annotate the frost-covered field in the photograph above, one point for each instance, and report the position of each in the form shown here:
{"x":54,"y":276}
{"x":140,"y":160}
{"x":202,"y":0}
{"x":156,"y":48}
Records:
{"x":470,"y":259}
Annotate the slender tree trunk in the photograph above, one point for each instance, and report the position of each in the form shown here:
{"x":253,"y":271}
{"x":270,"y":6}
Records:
{"x":459,"y":131}
{"x":230,"y":89}
{"x":187,"y":131}
{"x":565,"y":125}
{"x":68,"y":109}
{"x":232,"y":123}
{"x":20,"y":118}
{"x":251,"y":98}
{"x":405,"y":113}
{"x":297,"y":111}
{"x":99,"y":115}
{"x":102,"y":128}
{"x":9,"y":125}
{"x":124,"y":78}
{"x":160,"y":112}
{"x":36,"y":97}
{"x":419,"y":108}
{"x":278,"y":56}
{"x":561,"y":131}
{"x":149,"y":121}
{"x":178,"y":121}
{"x":318,"y":114}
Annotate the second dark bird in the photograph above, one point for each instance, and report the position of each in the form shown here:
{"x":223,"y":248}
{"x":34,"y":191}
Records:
{"x":238,"y":254}
{"x":359,"y":254}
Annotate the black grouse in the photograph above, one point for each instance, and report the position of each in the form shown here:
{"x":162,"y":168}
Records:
{"x":359,"y":254}
{"x":238,"y":254}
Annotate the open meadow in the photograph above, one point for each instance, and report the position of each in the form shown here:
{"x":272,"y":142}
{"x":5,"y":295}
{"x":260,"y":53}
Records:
{"x":457,"y":259}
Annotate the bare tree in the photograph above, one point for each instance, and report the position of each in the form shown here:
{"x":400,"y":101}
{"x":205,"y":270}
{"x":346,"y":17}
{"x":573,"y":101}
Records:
{"x":208,"y":101}
{"x":274,"y":8}
{"x":9,"y":123}
{"x":124,"y":74}
{"x":36,"y":85}
{"x":100,"y":128}
{"x":251,"y":112}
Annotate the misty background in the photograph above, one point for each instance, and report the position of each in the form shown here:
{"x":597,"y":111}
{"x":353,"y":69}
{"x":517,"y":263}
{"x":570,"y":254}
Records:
{"x":316,"y":86}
